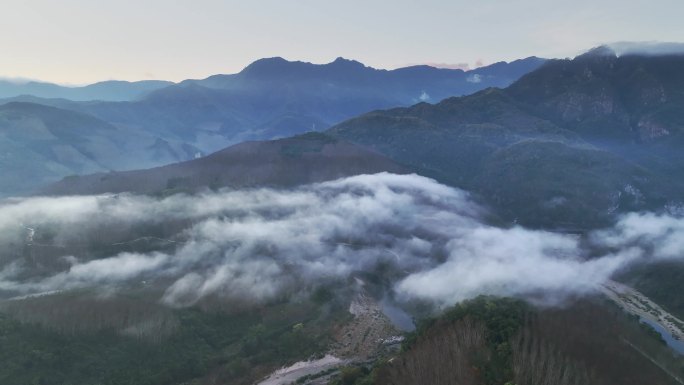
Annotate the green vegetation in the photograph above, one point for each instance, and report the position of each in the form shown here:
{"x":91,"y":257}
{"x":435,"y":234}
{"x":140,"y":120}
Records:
{"x":501,"y":317}
{"x":353,"y":375}
{"x":470,"y":342}
{"x":233,"y":347}
{"x":495,"y":341}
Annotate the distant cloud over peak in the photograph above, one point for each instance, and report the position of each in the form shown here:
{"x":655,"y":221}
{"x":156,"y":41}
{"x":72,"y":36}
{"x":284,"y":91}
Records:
{"x":649,"y":48}
{"x":451,"y":66}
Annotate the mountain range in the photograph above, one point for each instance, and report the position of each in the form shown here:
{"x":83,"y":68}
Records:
{"x":112,"y":90}
{"x":274,"y":98}
{"x":178,"y":282}
{"x":271,"y":98}
{"x":598,"y":126}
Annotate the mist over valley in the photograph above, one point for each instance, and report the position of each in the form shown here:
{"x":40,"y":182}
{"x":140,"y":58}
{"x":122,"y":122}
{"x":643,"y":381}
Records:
{"x":487,"y":196}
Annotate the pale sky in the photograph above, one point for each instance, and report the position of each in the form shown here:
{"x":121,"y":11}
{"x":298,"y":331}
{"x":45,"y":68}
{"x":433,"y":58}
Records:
{"x":82,"y":41}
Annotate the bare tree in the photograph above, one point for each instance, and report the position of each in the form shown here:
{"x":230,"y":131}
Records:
{"x":443,"y":356}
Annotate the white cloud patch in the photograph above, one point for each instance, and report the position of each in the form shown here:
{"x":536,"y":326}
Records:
{"x":262,"y":243}
{"x":474,"y":78}
{"x":648,"y":48}
{"x":512,"y":262}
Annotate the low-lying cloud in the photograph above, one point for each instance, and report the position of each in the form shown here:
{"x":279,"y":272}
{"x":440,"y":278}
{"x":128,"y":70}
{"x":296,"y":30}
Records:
{"x":648,"y":48}
{"x":451,"y":66}
{"x":474,"y":78}
{"x":262,"y":244}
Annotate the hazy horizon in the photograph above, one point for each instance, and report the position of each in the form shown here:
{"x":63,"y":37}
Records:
{"x":85,"y":42}
{"x":461,"y":66}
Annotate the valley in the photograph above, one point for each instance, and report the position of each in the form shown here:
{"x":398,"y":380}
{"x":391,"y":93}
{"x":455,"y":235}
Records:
{"x":437,"y":218}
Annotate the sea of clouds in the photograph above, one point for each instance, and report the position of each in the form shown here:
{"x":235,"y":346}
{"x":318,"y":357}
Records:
{"x":261,"y":244}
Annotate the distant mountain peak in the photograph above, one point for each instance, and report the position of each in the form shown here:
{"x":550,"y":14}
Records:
{"x":600,"y":51}
{"x":269,"y":61}
{"x":340,"y":61}
{"x":276,"y":63}
{"x":269,"y":66}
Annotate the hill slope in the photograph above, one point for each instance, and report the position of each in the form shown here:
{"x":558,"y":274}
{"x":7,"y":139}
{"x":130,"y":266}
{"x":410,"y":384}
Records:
{"x":287,"y":162}
{"x":40,"y":144}
{"x":572,"y":130}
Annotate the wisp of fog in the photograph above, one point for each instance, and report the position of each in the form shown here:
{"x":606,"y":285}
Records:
{"x":432,"y":242}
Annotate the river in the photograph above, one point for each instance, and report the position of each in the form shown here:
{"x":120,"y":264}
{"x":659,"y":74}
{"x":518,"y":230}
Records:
{"x":675,"y":344}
